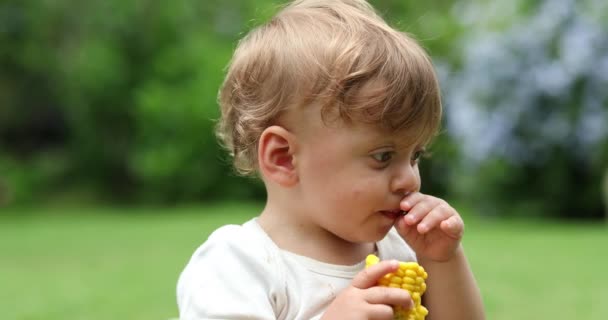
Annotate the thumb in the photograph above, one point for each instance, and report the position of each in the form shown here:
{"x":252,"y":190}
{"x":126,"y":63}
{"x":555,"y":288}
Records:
{"x":404,"y":229}
{"x":369,"y":277}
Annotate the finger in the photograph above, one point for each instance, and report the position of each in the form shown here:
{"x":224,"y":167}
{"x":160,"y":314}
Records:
{"x":369,"y":277}
{"x":438,"y":214}
{"x":453,"y":227}
{"x":380,"y":312}
{"x":409,"y":201}
{"x":404,"y":228}
{"x":421,"y":209}
{"x":389,"y":296}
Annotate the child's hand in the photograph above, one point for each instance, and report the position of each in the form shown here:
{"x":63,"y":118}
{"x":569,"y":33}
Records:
{"x":431,"y":227}
{"x":364,"y":300}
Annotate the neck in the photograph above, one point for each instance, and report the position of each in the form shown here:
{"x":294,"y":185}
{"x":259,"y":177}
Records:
{"x":292,"y":233}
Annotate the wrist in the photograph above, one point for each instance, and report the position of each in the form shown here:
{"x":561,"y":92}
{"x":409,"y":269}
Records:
{"x":457,"y":255}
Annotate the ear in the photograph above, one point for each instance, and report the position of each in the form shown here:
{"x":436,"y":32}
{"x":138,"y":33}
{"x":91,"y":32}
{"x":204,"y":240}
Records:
{"x":276,"y":158}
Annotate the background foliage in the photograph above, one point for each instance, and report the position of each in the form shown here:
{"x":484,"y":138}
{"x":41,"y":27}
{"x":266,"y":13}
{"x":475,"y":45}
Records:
{"x":114,"y":101}
{"x":528,"y":105}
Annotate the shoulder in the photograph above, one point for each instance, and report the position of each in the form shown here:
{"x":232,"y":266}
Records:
{"x":394,"y":247}
{"x":236,"y":242}
{"x":234,"y":247}
{"x":233,"y":258}
{"x":239,"y":239}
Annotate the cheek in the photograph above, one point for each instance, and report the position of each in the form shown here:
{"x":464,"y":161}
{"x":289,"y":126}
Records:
{"x":322,"y":170}
{"x":336,"y":186}
{"x":354,"y":192}
{"x":418,"y":179}
{"x":342,"y":200}
{"x":359,"y":191}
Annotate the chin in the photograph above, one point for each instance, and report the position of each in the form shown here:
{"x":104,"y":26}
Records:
{"x":382,"y":232}
{"x":377,"y":236}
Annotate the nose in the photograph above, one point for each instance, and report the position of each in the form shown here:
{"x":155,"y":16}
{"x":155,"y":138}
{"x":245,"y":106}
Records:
{"x":405,"y":179}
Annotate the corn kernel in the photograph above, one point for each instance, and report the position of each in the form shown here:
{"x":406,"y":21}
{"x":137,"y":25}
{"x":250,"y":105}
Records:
{"x":411,"y":277}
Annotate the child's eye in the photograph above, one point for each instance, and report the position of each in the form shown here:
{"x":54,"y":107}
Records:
{"x":418,"y":154}
{"x":382,"y":156}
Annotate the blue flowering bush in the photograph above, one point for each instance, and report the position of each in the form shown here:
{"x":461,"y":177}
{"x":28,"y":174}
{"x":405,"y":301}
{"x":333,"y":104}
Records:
{"x":528,"y":105}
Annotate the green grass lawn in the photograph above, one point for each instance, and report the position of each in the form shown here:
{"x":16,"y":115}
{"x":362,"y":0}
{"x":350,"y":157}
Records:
{"x":124,"y":263}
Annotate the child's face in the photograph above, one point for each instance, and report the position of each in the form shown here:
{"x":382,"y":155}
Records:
{"x":352,"y":178}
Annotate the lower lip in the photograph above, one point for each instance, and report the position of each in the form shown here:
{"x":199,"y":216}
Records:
{"x":391,"y":215}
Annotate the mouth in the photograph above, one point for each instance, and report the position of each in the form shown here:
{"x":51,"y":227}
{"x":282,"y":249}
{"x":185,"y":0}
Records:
{"x":392,"y":214}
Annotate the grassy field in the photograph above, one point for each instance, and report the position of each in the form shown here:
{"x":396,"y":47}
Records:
{"x":124,"y":263}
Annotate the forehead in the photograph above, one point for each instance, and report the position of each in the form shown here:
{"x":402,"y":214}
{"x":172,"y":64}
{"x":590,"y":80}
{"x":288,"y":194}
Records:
{"x":311,"y":122}
{"x":362,"y":137}
{"x":376,"y":134}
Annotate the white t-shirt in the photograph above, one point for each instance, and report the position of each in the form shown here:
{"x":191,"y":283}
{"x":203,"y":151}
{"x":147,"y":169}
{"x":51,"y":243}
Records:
{"x":240,"y":273}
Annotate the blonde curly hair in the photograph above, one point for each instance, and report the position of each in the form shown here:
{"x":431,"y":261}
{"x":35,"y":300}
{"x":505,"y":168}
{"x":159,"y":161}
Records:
{"x":326,"y":52}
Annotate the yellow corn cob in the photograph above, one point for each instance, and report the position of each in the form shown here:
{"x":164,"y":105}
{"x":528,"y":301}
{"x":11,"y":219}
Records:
{"x":411,"y":277}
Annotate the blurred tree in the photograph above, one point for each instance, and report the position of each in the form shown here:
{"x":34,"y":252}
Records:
{"x":123,"y":93}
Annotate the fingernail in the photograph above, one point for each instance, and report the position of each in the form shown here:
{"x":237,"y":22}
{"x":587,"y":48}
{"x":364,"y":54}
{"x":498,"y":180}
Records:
{"x":422,"y":227}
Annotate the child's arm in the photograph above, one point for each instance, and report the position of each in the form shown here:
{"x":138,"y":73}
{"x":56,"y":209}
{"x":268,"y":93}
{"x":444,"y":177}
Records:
{"x":451,"y":290}
{"x":434,"y":229}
